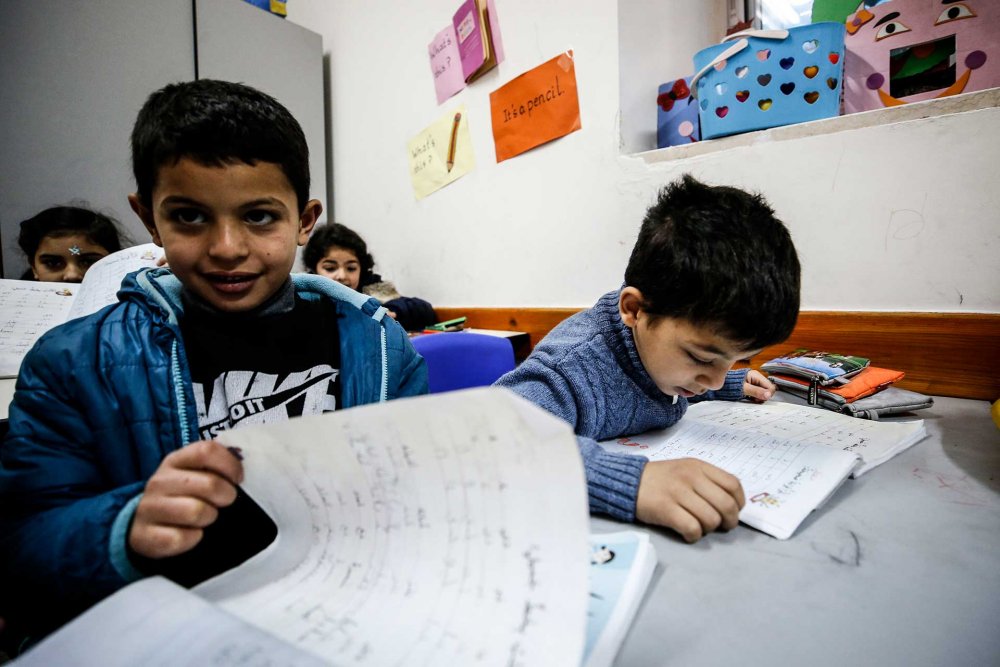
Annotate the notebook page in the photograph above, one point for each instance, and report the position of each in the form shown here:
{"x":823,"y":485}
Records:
{"x":445,"y":529}
{"x":100,"y":284}
{"x":874,"y":441}
{"x":156,"y":623}
{"x":27,"y":310}
{"x":784,"y":479}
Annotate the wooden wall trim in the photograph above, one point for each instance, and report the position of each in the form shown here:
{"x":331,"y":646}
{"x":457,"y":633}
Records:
{"x":943,"y":354}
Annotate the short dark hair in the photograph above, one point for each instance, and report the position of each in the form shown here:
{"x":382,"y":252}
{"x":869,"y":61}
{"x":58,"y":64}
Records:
{"x":98,"y":228}
{"x":334,"y":234}
{"x":716,"y":256}
{"x":217,"y":123}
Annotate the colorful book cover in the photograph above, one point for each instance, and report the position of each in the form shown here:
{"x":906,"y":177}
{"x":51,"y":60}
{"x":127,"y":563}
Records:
{"x":826,"y":367}
{"x":469,"y":32}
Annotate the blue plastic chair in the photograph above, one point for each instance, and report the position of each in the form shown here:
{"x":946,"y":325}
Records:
{"x":460,"y":359}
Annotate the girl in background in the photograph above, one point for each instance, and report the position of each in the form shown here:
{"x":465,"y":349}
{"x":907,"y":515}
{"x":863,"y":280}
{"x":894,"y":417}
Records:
{"x":339,"y":253}
{"x":62,"y":242}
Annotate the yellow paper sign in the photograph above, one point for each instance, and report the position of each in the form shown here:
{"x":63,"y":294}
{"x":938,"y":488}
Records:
{"x":536,"y":107}
{"x":441,"y":153}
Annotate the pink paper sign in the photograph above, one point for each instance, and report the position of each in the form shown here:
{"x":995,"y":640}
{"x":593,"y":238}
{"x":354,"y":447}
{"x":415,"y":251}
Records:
{"x":446,"y":64}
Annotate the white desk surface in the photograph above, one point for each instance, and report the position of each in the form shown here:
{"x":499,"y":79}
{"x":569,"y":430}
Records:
{"x":900,"y":567}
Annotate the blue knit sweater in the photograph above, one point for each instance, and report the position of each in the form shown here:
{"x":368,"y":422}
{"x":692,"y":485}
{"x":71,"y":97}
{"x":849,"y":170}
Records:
{"x":587,"y":372}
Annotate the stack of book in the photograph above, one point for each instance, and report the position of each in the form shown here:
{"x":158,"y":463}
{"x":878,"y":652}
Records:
{"x":842,"y":383}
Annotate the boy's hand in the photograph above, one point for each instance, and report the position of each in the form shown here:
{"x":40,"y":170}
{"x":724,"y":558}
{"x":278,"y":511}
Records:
{"x":690,"y":496}
{"x":758,"y":387}
{"x":182,"y":497}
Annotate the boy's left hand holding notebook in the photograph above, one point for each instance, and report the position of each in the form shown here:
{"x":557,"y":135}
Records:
{"x":183,"y":497}
{"x":757,"y":387}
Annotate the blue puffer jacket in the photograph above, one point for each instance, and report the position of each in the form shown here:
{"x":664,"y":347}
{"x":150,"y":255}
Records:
{"x":99,"y":402}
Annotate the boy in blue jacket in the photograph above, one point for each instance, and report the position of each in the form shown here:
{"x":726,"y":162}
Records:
{"x":109,"y":471}
{"x":713,"y":278}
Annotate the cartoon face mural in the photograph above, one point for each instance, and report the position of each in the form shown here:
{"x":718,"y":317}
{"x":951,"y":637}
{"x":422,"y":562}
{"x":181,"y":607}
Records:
{"x":912,"y":50}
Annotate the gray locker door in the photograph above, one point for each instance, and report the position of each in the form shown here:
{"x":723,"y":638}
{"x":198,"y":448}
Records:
{"x":72,"y":78}
{"x":242,"y":43}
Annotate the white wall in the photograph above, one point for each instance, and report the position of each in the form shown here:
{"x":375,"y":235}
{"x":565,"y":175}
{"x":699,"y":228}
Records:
{"x":900,"y":217}
{"x":657,"y":39}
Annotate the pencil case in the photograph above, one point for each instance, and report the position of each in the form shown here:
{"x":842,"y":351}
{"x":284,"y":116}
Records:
{"x":887,"y":402}
{"x":826,"y":368}
{"x":867,"y":382}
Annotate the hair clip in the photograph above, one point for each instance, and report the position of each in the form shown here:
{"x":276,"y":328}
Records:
{"x":74,"y":249}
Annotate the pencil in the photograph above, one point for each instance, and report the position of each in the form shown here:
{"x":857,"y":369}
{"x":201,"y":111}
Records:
{"x":454,"y":138}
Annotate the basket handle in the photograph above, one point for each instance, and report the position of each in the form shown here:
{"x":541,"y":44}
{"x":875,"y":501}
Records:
{"x":752,"y":32}
{"x":728,"y":53}
{"x":736,"y":48}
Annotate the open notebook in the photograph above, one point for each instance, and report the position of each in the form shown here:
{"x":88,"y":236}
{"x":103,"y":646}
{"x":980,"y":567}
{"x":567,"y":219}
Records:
{"x":789,"y":458}
{"x":30,"y":308}
{"x":447,"y":529}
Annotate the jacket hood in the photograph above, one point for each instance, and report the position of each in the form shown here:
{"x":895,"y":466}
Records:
{"x":160,"y":290}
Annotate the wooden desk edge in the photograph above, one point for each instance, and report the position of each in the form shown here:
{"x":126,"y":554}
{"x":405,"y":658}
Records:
{"x":942,"y":354}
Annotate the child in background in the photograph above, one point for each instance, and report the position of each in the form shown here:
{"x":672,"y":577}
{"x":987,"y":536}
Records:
{"x":713,"y":278}
{"x":109,"y":471}
{"x":62,"y":242}
{"x":339,"y":253}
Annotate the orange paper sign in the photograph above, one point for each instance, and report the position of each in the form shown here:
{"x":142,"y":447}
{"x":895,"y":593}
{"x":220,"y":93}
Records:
{"x":536,"y":107}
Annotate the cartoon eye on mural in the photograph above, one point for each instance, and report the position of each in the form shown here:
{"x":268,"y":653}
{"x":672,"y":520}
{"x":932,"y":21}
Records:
{"x":912,"y":50}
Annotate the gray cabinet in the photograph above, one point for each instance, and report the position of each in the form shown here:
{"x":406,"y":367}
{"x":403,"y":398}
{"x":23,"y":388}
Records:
{"x":73,"y":75}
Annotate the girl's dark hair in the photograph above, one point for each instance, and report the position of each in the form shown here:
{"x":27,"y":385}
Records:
{"x":217,"y":123}
{"x":334,"y":234}
{"x":717,"y":256}
{"x":65,"y":220}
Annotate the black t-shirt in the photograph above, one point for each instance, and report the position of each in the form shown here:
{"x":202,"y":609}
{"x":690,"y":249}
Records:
{"x":261,"y":369}
{"x":279,"y":362}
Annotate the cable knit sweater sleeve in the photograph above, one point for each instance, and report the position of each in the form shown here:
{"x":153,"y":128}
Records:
{"x":612,"y":479}
{"x":732,"y":390}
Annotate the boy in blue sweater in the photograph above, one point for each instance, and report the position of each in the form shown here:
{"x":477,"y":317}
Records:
{"x":713,"y":278}
{"x":109,"y":471}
